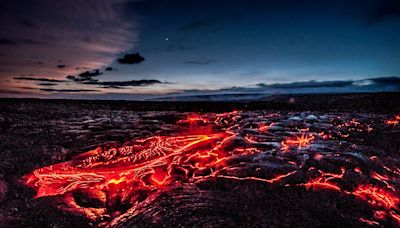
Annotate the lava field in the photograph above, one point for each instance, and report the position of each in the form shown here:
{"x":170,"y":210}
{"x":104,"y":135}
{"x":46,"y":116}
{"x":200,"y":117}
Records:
{"x":187,"y":169}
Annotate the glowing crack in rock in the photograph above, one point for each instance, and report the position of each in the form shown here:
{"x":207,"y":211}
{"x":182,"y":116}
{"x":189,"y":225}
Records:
{"x":302,"y":141}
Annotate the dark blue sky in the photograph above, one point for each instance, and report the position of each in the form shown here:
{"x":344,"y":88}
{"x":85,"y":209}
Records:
{"x":194,"y":47}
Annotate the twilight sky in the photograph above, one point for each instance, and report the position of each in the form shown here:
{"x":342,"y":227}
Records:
{"x":121,"y":49}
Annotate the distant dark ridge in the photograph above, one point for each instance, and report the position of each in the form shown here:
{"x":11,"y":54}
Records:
{"x":388,"y":102}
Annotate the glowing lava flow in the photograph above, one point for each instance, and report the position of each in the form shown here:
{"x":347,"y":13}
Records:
{"x":388,"y":200}
{"x":324,"y":181}
{"x":122,"y":175}
{"x":148,"y":161}
{"x":302,"y":141}
{"x":393,"y":122}
{"x":377,"y":197}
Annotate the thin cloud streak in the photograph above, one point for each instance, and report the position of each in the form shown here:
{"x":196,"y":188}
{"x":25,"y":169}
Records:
{"x":23,"y":78}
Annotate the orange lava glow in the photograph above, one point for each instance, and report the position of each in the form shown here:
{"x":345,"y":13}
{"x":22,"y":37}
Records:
{"x":148,"y":159}
{"x":394,"y":121}
{"x":324,"y":181}
{"x":264,"y":127}
{"x":303,"y":141}
{"x":377,"y":197}
{"x":193,"y":119}
{"x":386,"y":199}
{"x":380,"y":198}
{"x":150,"y":164}
{"x":271,"y":181}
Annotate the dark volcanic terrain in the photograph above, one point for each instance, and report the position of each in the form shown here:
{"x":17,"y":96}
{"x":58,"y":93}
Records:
{"x":298,"y":160}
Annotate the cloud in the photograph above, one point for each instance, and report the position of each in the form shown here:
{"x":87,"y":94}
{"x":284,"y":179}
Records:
{"x":26,"y":87}
{"x":134,"y":58}
{"x":386,"y":80}
{"x":82,"y":33}
{"x":82,"y":68}
{"x":86,"y":76}
{"x":47,"y":84}
{"x":6,"y":41}
{"x":309,"y":84}
{"x":38,"y":79}
{"x":26,"y":23}
{"x":369,"y":83}
{"x":109,"y":69}
{"x":381,"y":84}
{"x":118,"y":84}
{"x":60,"y":66}
{"x":34,"y":42}
{"x":68,"y":90}
{"x":10,"y":91}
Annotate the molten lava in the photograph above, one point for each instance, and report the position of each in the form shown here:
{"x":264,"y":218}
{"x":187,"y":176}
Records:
{"x":303,"y":141}
{"x":206,"y":150}
{"x":394,"y":121}
{"x":148,"y":161}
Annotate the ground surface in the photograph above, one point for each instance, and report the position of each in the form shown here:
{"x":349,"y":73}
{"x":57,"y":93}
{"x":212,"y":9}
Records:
{"x":266,"y":168}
